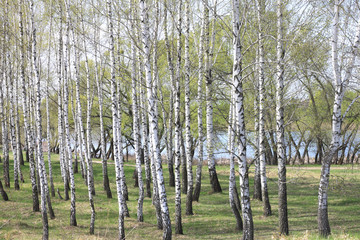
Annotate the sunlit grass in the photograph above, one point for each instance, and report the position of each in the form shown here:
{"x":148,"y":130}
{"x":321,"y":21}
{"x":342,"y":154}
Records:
{"x":212,"y":217}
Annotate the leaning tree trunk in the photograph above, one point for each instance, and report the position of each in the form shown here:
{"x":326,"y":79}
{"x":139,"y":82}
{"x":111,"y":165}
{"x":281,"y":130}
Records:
{"x":283,"y":214}
{"x":153,"y":120}
{"x":262,"y":138}
{"x":248,"y":227}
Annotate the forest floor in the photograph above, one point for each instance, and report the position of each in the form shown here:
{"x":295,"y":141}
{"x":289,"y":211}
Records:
{"x":212,"y":219}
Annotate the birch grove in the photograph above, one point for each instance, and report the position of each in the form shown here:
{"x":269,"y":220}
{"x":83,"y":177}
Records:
{"x":242,"y":87}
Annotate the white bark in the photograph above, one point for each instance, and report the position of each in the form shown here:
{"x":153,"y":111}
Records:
{"x":171,"y":101}
{"x":262,"y":148}
{"x":136,"y":125}
{"x":200,"y":110}
{"x":153,"y":119}
{"x":68,"y":155}
{"x":10,"y":89}
{"x":115,"y":124}
{"x":178,"y":132}
{"x":190,"y":187}
{"x":233,"y":195}
{"x":41,"y":163}
{"x":340,"y":85}
{"x":60,"y":112}
{"x":29,"y":136}
{"x":99,"y":83}
{"x":248,"y":228}
{"x":283,"y":215}
{"x":215,"y":185}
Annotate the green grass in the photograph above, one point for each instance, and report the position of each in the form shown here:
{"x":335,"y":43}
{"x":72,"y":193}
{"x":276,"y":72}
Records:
{"x":212,"y":217}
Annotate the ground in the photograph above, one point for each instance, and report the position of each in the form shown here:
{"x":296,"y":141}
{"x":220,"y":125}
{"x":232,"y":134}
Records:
{"x":212,"y":217}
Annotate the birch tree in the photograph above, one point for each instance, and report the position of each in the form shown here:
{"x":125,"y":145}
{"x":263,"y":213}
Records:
{"x":84,"y":145}
{"x":264,"y":189}
{"x":232,"y":184}
{"x":214,"y":181}
{"x":29,"y":136}
{"x":340,"y":83}
{"x":99,"y":82}
{"x":48,"y":133}
{"x":248,"y":227}
{"x":283,"y":216}
{"x":171,"y":101}
{"x":68,"y":152}
{"x":60,"y":110}
{"x":41,"y":163}
{"x":136,"y":125}
{"x":190,"y":187}
{"x":153,"y":120}
{"x":197,"y":188}
{"x":115,"y":123}
{"x":4,"y":129}
{"x":178,"y":132}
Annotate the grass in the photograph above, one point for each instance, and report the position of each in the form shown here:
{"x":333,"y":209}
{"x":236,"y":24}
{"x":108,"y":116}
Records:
{"x":212,"y":217}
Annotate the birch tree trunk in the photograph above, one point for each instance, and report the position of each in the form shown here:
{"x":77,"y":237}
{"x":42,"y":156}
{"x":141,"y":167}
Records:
{"x":4,"y":103}
{"x":10,"y":88}
{"x":41,"y":163}
{"x":257,"y":180}
{"x":4,"y":127}
{"x":262,"y":138}
{"x":190,"y":187}
{"x":248,"y":226}
{"x":215,"y":185}
{"x":48,"y":133}
{"x":280,"y":52}
{"x":85,"y":145}
{"x":29,"y":136}
{"x":197,"y":189}
{"x":145,"y":136}
{"x":67,"y":77}
{"x":178,"y":132}
{"x":4,"y":133}
{"x":99,"y":82}
{"x":88,"y":122}
{"x":340,"y":85}
{"x":60,"y":111}
{"x":136,"y":125}
{"x":115,"y":125}
{"x":153,"y":119}
{"x":232,"y":184}
{"x":3,"y":193}
{"x":171,"y":101}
